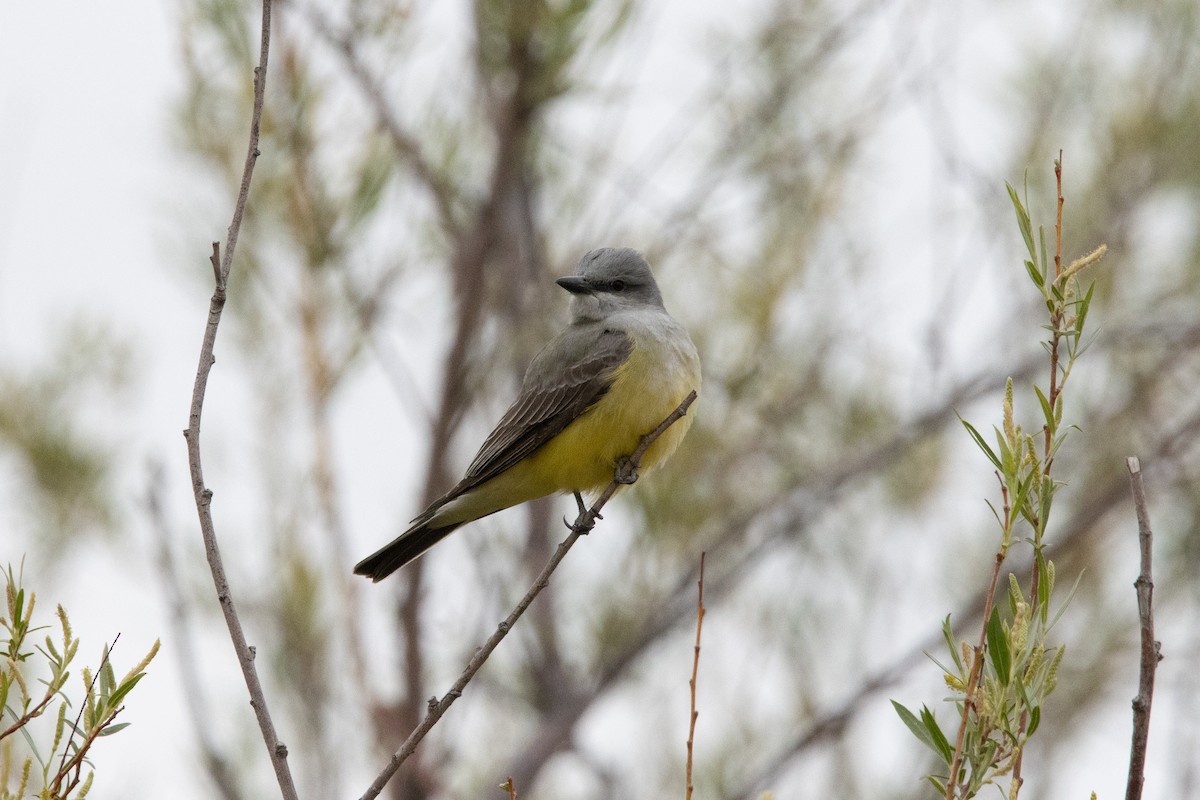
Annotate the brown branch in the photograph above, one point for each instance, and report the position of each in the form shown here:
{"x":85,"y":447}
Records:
{"x":695,"y":672}
{"x":29,"y":715}
{"x":626,"y":473}
{"x":203,"y":495}
{"x":1151,"y":649}
{"x":974,"y":678}
{"x":80,"y":751}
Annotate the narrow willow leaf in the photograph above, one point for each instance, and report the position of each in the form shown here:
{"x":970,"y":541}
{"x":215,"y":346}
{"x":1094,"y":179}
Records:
{"x":1035,"y":275}
{"x":1081,"y":311}
{"x":917,"y":727}
{"x":935,"y":733}
{"x":1035,"y":718}
{"x":1047,"y":412}
{"x":951,"y":644}
{"x":125,"y":688}
{"x":1022,"y":220}
{"x":1044,"y":586}
{"x":1018,"y":503}
{"x":111,"y":729}
{"x":1008,"y":461}
{"x":1045,"y":257}
{"x":980,"y":442}
{"x":998,"y":650}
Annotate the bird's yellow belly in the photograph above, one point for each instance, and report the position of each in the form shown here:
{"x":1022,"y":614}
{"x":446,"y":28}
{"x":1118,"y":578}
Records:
{"x":584,"y":456}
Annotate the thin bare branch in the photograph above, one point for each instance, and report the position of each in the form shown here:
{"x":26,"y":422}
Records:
{"x":625,"y":473}
{"x":695,"y":672}
{"x":203,"y":495}
{"x":1151,"y":649}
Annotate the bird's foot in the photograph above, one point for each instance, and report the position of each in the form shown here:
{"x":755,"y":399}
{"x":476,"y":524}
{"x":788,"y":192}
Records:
{"x":625,"y":472}
{"x":586,"y":520}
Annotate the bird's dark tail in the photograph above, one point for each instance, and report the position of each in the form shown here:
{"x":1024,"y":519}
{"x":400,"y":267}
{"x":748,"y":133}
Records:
{"x":401,"y":550}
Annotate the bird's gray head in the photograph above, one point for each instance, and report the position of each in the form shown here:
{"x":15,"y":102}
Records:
{"x":611,"y":279}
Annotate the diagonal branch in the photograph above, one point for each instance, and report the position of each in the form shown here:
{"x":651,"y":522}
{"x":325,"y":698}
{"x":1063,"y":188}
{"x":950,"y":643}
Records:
{"x":582,"y":525}
{"x":203,"y":495}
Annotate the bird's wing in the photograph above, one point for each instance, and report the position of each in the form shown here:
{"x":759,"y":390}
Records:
{"x":551,"y":398}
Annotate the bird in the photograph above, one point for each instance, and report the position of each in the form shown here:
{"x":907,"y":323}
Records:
{"x":618,"y":369}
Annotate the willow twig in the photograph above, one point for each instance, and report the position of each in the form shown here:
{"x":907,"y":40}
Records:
{"x":584,"y":522}
{"x":1151,"y":649}
{"x":695,"y":672}
{"x":203,"y":495}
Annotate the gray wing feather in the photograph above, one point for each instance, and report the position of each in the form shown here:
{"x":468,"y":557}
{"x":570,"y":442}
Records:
{"x":548,"y":403}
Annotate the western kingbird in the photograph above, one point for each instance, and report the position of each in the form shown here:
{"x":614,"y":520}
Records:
{"x":616,"y":372}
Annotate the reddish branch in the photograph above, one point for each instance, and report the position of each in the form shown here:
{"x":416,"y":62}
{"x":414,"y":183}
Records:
{"x":695,"y":671}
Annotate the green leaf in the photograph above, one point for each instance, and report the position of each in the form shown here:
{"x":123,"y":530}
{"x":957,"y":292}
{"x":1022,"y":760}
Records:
{"x":1082,"y":311}
{"x":922,"y":730}
{"x":995,"y":513}
{"x":942,"y":744}
{"x":1045,"y":258}
{"x":1018,"y":504}
{"x":1047,"y":411}
{"x":1043,"y":597}
{"x":998,"y":651}
{"x":125,"y":688}
{"x":111,"y":729}
{"x":1022,"y":220}
{"x":951,"y":644}
{"x":1047,"y":497}
{"x":1007,"y":458}
{"x":979,"y":441}
{"x":1035,"y":718}
{"x":1035,"y":275}
{"x":910,"y":720}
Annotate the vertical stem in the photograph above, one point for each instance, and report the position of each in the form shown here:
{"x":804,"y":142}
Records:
{"x":695,"y":671}
{"x":1150,"y":651}
{"x":973,"y":680}
{"x":203,"y":495}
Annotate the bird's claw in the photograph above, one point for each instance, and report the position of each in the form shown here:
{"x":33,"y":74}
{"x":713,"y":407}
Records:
{"x":582,"y":525}
{"x":625,"y":472}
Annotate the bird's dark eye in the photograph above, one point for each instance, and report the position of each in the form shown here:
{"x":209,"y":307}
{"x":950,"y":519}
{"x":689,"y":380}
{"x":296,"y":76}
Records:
{"x":618,"y":285}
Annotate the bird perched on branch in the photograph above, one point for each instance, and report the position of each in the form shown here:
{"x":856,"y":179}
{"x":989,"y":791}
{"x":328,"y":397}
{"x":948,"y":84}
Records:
{"x":620,"y":367}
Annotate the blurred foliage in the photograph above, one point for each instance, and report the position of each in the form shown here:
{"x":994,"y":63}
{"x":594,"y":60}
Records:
{"x":52,"y":433}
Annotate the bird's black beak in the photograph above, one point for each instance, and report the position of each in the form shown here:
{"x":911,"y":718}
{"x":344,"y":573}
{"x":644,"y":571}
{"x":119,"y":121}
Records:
{"x":574,"y":285}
